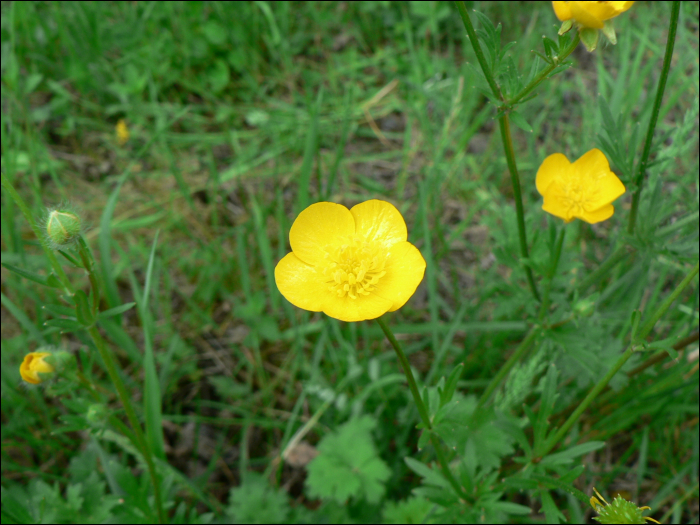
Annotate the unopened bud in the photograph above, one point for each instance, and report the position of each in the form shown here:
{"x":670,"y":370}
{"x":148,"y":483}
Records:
{"x":35,"y":368}
{"x":97,"y":414}
{"x":62,"y":227}
{"x":39,"y":366}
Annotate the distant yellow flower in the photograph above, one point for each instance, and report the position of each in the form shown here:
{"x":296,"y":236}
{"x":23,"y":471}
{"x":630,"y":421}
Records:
{"x":589,"y":14}
{"x":621,"y":511}
{"x":122,"y":132}
{"x":33,"y":365}
{"x":352,"y":264}
{"x":583,"y":190}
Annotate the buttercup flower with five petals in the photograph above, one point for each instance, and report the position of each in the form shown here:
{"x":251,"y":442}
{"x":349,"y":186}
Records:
{"x":353,"y":265}
{"x":583,"y":190}
{"x":35,"y":364}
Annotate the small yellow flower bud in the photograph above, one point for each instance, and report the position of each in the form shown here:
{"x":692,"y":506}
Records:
{"x":122,"y":132}
{"x":62,"y":227}
{"x":35,"y":363}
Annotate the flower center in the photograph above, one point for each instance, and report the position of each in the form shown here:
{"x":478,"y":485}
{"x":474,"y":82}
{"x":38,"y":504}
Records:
{"x":579,"y":196}
{"x":355,"y":267}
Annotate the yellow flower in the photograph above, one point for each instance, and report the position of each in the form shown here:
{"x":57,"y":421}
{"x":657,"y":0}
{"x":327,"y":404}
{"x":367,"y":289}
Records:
{"x":33,"y":365}
{"x":352,"y":264}
{"x":583,"y":190}
{"x":589,"y":14}
{"x":122,"y":132}
{"x":621,"y":511}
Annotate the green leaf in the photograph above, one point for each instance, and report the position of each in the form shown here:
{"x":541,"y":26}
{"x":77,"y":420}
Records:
{"x":116,"y":310}
{"x":254,"y":501}
{"x":66,"y":325}
{"x":29,"y":275}
{"x":71,"y":259}
{"x":82,"y":308}
{"x":551,"y":511}
{"x":348,"y":465}
{"x":567,"y":456}
{"x":412,"y":510}
{"x":430,"y":476}
{"x":520,"y":121}
{"x":60,"y":310}
{"x":447,"y":393}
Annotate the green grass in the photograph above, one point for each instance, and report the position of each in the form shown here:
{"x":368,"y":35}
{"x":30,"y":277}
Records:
{"x":240,"y":116}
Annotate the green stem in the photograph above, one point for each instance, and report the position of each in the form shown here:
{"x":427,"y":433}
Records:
{"x":542,"y":75}
{"x":111,"y":366}
{"x":50,"y":255}
{"x":551,"y":272}
{"x":648,"y":326}
{"x":509,"y":364}
{"x":89,"y":264}
{"x":642,"y":333}
{"x":504,"y":125}
{"x":477,"y":49}
{"x":422,"y":410}
{"x":641,"y":169}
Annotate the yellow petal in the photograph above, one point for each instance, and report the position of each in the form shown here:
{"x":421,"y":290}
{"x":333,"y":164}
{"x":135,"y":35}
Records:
{"x":32,"y":365}
{"x":605,"y":10}
{"x":554,"y":203}
{"x":598,"y":215}
{"x":586,"y":14}
{"x":320,"y":225}
{"x":562,"y":10}
{"x":556,"y":166}
{"x":379,"y":221}
{"x":301,"y":284}
{"x":604,"y":185}
{"x":592,"y":164}
{"x":361,"y":309}
{"x":405,"y":268}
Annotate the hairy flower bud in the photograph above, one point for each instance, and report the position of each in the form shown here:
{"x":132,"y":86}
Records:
{"x":62,"y":227}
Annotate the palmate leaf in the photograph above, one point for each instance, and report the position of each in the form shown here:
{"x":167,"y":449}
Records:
{"x":348,"y":465}
{"x":255,"y":501}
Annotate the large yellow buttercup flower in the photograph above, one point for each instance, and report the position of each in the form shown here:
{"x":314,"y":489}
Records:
{"x":583,"y":190}
{"x":33,"y":365}
{"x":352,"y":264}
{"x":589,"y":14}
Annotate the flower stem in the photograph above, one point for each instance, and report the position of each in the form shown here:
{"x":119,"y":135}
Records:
{"x":111,"y":366}
{"x":422,"y":410}
{"x":89,"y":264}
{"x":504,"y":125}
{"x":542,"y":75}
{"x":642,"y":167}
{"x":477,"y":49}
{"x":641,"y":335}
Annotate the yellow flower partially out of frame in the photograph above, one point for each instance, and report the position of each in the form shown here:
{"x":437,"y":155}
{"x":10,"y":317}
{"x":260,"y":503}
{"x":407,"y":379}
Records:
{"x":583,"y":190}
{"x":589,"y":14}
{"x":33,"y":365}
{"x":352,"y":264}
